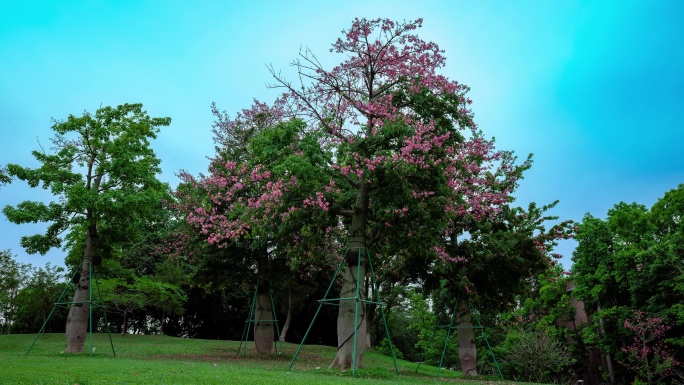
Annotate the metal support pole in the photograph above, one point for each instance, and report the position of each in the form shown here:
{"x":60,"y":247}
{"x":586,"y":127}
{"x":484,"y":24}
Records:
{"x":450,"y":327}
{"x":90,"y":304}
{"x":382,"y":311}
{"x":315,"y":315}
{"x":66,"y":287}
{"x":446,"y":342}
{"x":356,"y":308}
{"x":275,"y":321}
{"x":92,"y":277}
{"x":248,"y":323}
{"x":99,"y":295}
{"x":358,"y":300}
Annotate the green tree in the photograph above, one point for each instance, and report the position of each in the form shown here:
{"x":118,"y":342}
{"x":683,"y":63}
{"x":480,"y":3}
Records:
{"x":37,"y":299}
{"x":632,"y":261}
{"x":125,"y":296}
{"x":103,"y":173}
{"x":13,"y":276}
{"x":505,"y":251}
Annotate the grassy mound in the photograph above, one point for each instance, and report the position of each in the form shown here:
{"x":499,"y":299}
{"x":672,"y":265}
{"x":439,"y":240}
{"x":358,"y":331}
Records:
{"x":168,"y":360}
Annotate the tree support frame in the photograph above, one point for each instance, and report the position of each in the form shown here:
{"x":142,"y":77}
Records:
{"x":451,"y":327}
{"x":91,"y":305}
{"x":242,"y":348}
{"x":359,"y":300}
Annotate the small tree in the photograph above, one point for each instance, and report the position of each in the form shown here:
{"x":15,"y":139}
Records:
{"x":102,"y":171}
{"x":648,"y":357}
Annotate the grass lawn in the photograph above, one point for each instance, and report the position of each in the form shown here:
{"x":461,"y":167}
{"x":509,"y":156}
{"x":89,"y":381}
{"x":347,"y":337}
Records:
{"x":168,"y":360}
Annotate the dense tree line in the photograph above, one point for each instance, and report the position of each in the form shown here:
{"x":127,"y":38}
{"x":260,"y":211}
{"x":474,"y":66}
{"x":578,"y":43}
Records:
{"x":628,"y":271}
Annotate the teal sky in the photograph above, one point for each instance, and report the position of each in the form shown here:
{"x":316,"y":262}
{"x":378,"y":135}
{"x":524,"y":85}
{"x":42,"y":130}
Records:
{"x":594,"y":89}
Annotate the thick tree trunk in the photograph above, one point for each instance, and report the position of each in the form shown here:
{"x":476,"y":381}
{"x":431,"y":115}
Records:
{"x":354,"y":274}
{"x":467,"y":349}
{"x":347,"y":318}
{"x":286,"y":327}
{"x":77,"y":320}
{"x":263,"y":331}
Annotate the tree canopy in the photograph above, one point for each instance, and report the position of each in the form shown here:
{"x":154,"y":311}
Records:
{"x":103,"y":174}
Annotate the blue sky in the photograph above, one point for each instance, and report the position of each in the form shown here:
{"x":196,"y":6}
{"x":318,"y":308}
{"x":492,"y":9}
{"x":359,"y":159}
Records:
{"x":592,"y":89}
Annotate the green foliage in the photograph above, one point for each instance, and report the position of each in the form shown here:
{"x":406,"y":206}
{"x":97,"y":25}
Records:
{"x":4,"y":177}
{"x":13,"y":276}
{"x":101,"y":169}
{"x":430,"y":342}
{"x":533,"y":356}
{"x":503,"y":255}
{"x":37,"y":299}
{"x":544,"y":319}
{"x":632,"y":260}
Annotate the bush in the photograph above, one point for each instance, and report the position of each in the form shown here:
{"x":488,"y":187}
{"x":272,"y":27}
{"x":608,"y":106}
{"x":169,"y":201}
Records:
{"x":535,"y":357}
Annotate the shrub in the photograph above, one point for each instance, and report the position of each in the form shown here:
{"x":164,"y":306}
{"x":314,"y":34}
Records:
{"x":534,"y":356}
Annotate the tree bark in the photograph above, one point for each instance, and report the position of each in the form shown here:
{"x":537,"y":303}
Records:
{"x":347,"y":319}
{"x":263,"y":331}
{"x":467,"y":349}
{"x":77,"y":320}
{"x":286,"y":327}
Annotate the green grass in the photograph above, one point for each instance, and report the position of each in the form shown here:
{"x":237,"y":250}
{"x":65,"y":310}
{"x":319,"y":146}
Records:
{"x":168,"y":360}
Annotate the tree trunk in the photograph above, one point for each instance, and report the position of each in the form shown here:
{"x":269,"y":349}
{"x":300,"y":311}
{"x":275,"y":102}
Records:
{"x":467,"y":349}
{"x":369,"y":342}
{"x":347,"y":319}
{"x":77,"y":320}
{"x":370,"y":316}
{"x":124,"y":329}
{"x":162,"y":321}
{"x":286,"y":327}
{"x":263,"y":331}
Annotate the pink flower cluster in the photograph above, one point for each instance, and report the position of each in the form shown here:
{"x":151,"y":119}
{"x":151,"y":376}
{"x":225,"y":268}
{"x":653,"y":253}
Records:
{"x":648,"y":356}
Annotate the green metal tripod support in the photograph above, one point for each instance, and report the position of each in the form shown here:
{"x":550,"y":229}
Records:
{"x":451,"y":327}
{"x":358,"y":299}
{"x":250,"y":320}
{"x":91,"y":305}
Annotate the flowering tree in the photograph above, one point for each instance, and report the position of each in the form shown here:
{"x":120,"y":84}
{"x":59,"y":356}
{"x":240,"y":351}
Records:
{"x":648,"y":356}
{"x":404,"y":145}
{"x":254,"y":198}
{"x":504,"y":250}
